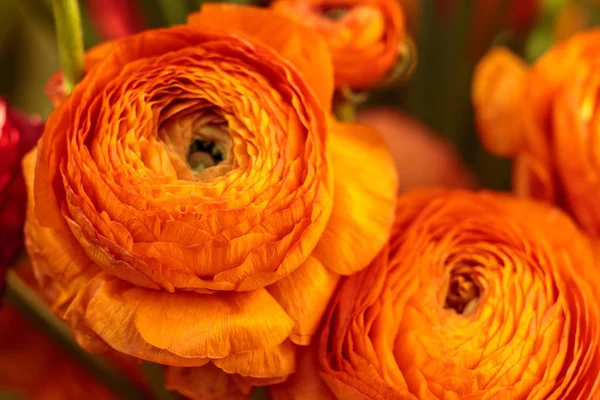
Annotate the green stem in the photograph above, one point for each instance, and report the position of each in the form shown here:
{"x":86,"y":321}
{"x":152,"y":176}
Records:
{"x":345,"y":111}
{"x":24,"y":300}
{"x":70,"y":41}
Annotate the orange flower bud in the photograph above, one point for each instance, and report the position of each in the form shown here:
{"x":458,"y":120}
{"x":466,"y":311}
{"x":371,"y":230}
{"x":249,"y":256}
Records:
{"x":476,"y":296}
{"x":366,"y":37}
{"x":194,"y":206}
{"x":544,"y":117}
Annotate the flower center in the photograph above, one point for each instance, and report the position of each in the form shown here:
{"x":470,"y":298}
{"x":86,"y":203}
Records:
{"x":204,"y":153}
{"x":335,"y":13}
{"x":462,"y":295}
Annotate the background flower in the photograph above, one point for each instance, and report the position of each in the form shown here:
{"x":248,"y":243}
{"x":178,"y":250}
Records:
{"x":422,"y":157}
{"x":543,"y":117}
{"x":477,"y":295}
{"x":366,"y":37}
{"x":18,"y":134}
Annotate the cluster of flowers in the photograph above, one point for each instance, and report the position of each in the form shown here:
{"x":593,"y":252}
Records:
{"x":195,"y":203}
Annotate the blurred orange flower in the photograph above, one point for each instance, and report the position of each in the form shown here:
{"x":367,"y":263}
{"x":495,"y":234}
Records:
{"x":476,"y":296}
{"x":366,"y":37}
{"x":423,"y":158}
{"x":545,"y":118}
{"x":193,"y":205}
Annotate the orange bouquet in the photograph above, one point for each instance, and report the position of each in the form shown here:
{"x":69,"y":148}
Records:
{"x":544,"y":117}
{"x":476,"y":296}
{"x":193,"y":204}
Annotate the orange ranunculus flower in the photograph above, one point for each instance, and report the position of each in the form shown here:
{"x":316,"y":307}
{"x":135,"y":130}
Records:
{"x":366,"y":37}
{"x":476,"y":296}
{"x":545,"y":118}
{"x":193,"y":206}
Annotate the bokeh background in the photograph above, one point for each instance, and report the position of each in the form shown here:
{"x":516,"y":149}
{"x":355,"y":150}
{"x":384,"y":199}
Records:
{"x":450,"y":36}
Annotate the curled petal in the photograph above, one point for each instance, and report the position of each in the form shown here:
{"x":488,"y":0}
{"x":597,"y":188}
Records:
{"x":365,"y":185}
{"x":266,"y":363}
{"x":304,"y":296}
{"x":498,"y":91}
{"x":163,"y":327}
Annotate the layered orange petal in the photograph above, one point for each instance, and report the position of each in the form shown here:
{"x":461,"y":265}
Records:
{"x":476,"y":296}
{"x":305,"y":49}
{"x":365,"y":190}
{"x":164,"y":327}
{"x":149,"y":220}
{"x":265,"y":363}
{"x":366,"y":37}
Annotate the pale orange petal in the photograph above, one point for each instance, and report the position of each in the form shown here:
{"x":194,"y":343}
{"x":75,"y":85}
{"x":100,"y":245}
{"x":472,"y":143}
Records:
{"x":498,"y":99}
{"x":183,"y":329}
{"x":305,"y":49}
{"x":364,"y":198}
{"x":304,"y":296}
{"x":270,"y":362}
{"x":203,"y":383}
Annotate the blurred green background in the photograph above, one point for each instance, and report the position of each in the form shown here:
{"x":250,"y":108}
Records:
{"x":450,"y":36}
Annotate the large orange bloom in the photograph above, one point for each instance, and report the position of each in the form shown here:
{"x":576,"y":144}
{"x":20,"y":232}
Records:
{"x":545,"y":117}
{"x":366,"y":37}
{"x":194,"y":207}
{"x":476,"y":296}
